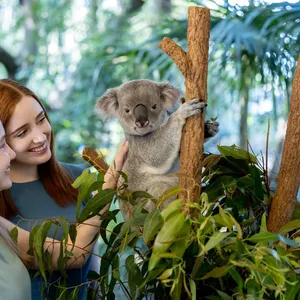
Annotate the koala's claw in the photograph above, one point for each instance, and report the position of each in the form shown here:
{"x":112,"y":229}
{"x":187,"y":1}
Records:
{"x":211,"y":128}
{"x":191,"y":108}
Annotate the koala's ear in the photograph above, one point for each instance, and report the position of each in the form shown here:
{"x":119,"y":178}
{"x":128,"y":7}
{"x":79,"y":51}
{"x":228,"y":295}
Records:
{"x":170,"y":95}
{"x":108,"y":103}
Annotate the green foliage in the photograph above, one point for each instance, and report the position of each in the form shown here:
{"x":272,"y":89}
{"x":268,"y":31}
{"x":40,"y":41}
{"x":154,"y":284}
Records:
{"x":221,"y":250}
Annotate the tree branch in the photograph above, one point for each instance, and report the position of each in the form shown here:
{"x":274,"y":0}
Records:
{"x":175,"y":52}
{"x":285,"y":197}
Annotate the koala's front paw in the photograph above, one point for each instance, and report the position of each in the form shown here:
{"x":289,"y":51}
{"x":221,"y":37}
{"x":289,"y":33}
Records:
{"x":211,"y":128}
{"x":191,"y":108}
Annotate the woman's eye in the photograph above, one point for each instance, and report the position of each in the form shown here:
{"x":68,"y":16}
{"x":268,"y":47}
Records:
{"x":127,"y":110}
{"x":22,"y":133}
{"x":154,"y":106}
{"x":41,"y":120}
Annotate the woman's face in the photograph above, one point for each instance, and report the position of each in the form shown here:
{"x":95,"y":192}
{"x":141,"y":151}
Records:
{"x":29,"y":133}
{"x":6,"y":155}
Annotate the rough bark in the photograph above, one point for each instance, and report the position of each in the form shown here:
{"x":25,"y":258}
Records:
{"x":194,"y":65}
{"x":288,"y":181}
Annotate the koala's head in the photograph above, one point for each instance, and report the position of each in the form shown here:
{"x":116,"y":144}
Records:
{"x":139,"y":105}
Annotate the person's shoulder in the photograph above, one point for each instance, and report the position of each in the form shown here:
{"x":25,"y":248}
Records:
{"x":74,"y":169}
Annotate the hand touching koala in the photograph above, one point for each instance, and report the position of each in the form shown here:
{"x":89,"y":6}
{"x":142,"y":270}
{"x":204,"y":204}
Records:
{"x":154,"y":137}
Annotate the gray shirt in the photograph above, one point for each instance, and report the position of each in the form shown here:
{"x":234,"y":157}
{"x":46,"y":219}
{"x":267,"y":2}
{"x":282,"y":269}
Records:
{"x":14,"y":278}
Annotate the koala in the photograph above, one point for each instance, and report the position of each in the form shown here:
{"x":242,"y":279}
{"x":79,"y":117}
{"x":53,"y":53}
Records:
{"x":143,"y":109}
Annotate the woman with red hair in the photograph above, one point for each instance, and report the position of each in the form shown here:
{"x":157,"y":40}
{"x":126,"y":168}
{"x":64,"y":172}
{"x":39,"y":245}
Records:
{"x":41,"y":185}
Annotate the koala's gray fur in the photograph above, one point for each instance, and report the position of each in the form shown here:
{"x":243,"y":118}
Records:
{"x":141,"y":106}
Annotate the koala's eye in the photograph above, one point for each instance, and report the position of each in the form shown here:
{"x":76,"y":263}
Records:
{"x":127,"y":110}
{"x":154,"y":106}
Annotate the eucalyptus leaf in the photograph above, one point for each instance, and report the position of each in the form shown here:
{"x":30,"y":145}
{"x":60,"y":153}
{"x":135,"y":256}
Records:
{"x":14,"y":234}
{"x":153,"y":224}
{"x":166,"y":236}
{"x":215,"y":240}
{"x":263,"y":237}
{"x":218,"y":272}
{"x":168,"y":194}
{"x":237,"y":153}
{"x":292,"y":225}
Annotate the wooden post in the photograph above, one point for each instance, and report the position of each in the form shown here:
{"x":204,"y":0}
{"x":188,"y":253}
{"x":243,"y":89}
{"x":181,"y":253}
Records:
{"x":288,"y":181}
{"x":193,"y":64}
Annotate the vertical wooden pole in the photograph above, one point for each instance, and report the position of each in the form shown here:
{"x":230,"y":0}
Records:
{"x":194,"y":66}
{"x":288,"y":181}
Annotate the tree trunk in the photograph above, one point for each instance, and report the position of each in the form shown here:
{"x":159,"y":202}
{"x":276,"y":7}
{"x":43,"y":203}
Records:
{"x":29,"y":49}
{"x":194,"y":66}
{"x":162,"y":7}
{"x":288,"y":181}
{"x":135,"y":5}
{"x":244,"y":100}
{"x":9,"y":63}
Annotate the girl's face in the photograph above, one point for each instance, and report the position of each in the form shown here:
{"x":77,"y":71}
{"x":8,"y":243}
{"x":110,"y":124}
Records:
{"x":6,"y":155}
{"x":29,"y":133}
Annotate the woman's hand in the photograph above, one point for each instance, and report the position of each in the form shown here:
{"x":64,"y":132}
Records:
{"x":111,"y":176}
{"x":120,"y":156}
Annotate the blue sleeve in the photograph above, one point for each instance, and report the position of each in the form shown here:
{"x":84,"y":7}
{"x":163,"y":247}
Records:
{"x":75,"y":170}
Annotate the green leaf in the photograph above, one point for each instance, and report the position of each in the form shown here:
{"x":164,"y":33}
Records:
{"x":176,"y":205}
{"x":223,"y":295}
{"x":263,"y":226}
{"x":61,"y":261}
{"x":166,"y":274}
{"x":136,"y":220}
{"x":295,"y":224}
{"x":237,"y":277}
{"x":182,"y":241}
{"x":141,"y":194}
{"x":215,"y":240}
{"x":135,"y":278}
{"x":169,"y":193}
{"x":218,"y":272}
{"x":166,"y":236}
{"x":14,"y":235}
{"x":237,"y":153}
{"x":127,"y":239}
{"x":292,"y":290}
{"x":245,"y":184}
{"x":65,"y":230}
{"x":73,"y":233}
{"x":263,"y":237}
{"x":153,"y":223}
{"x":84,"y":181}
{"x":94,"y":205}
{"x":32,"y":235}
{"x":193,"y":289}
{"x":217,"y":189}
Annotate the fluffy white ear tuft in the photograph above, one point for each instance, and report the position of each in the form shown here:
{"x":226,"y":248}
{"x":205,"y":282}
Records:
{"x":107,"y":105}
{"x":170,"y":95}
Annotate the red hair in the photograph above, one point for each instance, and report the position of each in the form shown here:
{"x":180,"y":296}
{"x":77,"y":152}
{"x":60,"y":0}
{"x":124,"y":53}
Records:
{"x":58,"y":185}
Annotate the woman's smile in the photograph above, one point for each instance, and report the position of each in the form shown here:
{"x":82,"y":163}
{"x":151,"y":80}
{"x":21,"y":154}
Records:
{"x":41,"y":149}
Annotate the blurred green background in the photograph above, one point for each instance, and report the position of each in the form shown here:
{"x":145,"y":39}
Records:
{"x":70,"y":51}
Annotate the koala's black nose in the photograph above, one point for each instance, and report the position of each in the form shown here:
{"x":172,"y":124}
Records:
{"x":141,"y":116}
